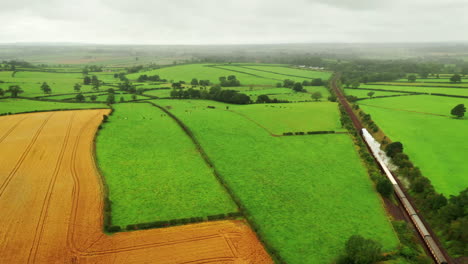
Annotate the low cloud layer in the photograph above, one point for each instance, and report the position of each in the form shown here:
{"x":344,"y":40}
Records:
{"x":232,"y":21}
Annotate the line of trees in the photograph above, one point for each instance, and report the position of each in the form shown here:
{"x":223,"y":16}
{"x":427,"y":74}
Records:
{"x":152,"y":78}
{"x":215,"y":93}
{"x":448,"y":217}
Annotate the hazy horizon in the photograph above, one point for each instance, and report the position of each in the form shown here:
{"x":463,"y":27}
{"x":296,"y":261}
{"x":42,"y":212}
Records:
{"x":183,"y":22}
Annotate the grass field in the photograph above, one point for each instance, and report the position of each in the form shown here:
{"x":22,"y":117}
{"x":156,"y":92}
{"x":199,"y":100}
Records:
{"x":290,"y":185}
{"x":300,"y":117}
{"x":22,"y":105}
{"x":159,"y":93}
{"x":153,"y":169}
{"x":284,"y":71}
{"x":450,"y":91}
{"x":289,"y":94}
{"x":363,"y":93}
{"x":247,"y":76}
{"x":436,"y":144}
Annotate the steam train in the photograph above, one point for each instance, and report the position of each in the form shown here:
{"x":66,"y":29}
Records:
{"x":422,"y":230}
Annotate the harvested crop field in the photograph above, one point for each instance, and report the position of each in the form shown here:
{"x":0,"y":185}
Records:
{"x":51,"y":203}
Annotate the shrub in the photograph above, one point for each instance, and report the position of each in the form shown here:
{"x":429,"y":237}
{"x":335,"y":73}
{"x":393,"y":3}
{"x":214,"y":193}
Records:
{"x":384,"y":187}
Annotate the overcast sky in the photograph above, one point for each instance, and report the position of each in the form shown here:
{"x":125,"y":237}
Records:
{"x":232,"y":22}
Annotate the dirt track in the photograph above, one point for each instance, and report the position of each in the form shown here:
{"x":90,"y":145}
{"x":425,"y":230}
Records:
{"x":51,"y":204}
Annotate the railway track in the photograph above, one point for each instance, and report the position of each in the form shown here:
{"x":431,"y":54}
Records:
{"x":428,"y":238}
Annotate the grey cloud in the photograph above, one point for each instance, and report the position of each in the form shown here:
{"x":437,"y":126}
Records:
{"x":224,"y":22}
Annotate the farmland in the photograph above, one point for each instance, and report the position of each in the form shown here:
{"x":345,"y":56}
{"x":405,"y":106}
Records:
{"x":21,"y":105}
{"x":166,"y":177}
{"x":153,"y":169}
{"x":434,"y":143}
{"x":48,"y":159}
{"x":290,"y":182}
{"x":247,"y":76}
{"x":361,"y":93}
{"x":449,"y":91}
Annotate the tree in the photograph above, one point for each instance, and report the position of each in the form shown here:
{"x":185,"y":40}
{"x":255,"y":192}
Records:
{"x":93,"y":97}
{"x":455,"y":78}
{"x":80,"y":97}
{"x":122,"y":99}
{"x":134,"y":97}
{"x":359,"y":250}
{"x":111,"y":99}
{"x":393,"y":148}
{"x":420,"y":184}
{"x":14,"y":90}
{"x":194,"y":81}
{"x":411,"y":78}
{"x":86,"y":80}
{"x":355,"y":84}
{"x":77,"y":87}
{"x":384,"y":187}
{"x":263,"y":98}
{"x":46,"y":88}
{"x":2,"y":93}
{"x":459,"y":111}
{"x":298,"y":87}
{"x":370,"y":94}
{"x":316,"y":96}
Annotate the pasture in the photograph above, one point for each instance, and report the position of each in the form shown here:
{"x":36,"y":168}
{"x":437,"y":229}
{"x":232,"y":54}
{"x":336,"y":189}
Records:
{"x":14,"y":106}
{"x":298,"y":117}
{"x":449,"y":91}
{"x":165,"y":178}
{"x":361,"y":93}
{"x":435,"y":144}
{"x":291,"y":184}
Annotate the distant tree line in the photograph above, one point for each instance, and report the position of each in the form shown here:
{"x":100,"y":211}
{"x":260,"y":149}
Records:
{"x":152,"y":78}
{"x":215,"y":93}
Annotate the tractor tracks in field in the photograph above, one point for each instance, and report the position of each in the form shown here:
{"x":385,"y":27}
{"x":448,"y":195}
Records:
{"x":45,"y":205}
{"x":11,"y":129}
{"x":23,"y":156}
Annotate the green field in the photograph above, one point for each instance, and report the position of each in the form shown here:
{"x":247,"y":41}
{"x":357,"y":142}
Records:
{"x":299,"y":117}
{"x":285,"y":71}
{"x":450,"y":91}
{"x":288,"y":94}
{"x":308,"y":194}
{"x":60,"y":83}
{"x":361,"y":93}
{"x":153,"y":169}
{"x":22,"y":105}
{"x":436,"y":144}
{"x":247,"y":76}
{"x":159,"y":93}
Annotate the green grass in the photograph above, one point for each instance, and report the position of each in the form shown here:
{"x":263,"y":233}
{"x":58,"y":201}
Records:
{"x":23,"y":105}
{"x":363,"y":93}
{"x":283,"y":71}
{"x":159,"y":93}
{"x":288,"y":94}
{"x":297,"y":117}
{"x":153,"y":169}
{"x":247,"y":76}
{"x":201,"y":72}
{"x":308,"y":194}
{"x":450,"y":91}
{"x":60,"y":83}
{"x":435,"y":144}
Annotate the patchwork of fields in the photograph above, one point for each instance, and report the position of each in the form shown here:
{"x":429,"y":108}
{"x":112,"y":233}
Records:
{"x":289,"y":184}
{"x":165,"y":179}
{"x":52,"y":204}
{"x":303,"y":195}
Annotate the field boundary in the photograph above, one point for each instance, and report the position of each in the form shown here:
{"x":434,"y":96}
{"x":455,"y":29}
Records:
{"x":245,"y":213}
